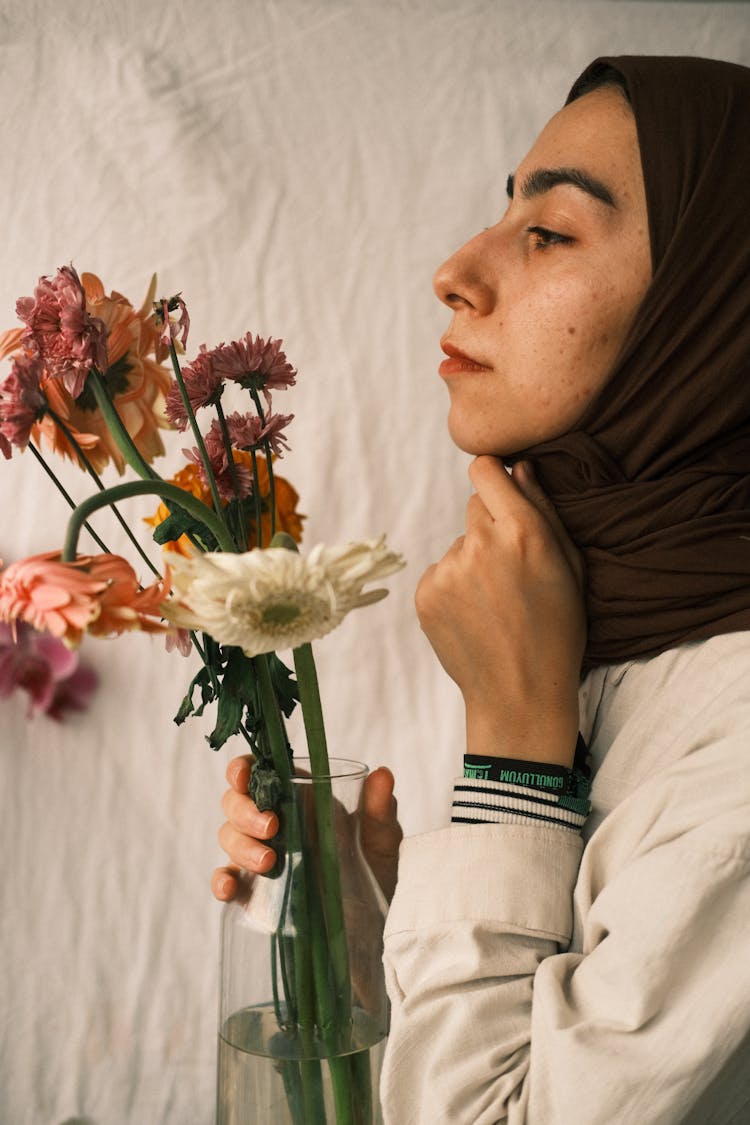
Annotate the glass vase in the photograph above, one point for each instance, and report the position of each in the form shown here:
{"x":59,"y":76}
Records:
{"x":303,"y":1010}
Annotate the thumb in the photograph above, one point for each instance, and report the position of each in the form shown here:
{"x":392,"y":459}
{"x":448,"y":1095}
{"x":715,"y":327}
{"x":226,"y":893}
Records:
{"x":378,"y":802}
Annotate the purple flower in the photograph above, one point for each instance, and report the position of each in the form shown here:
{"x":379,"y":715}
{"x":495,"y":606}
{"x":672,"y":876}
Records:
{"x":51,"y":674}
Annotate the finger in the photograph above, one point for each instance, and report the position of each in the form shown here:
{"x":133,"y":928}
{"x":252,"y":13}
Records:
{"x":495,"y":488}
{"x":525,"y":479}
{"x":244,"y":814}
{"x":379,"y":804}
{"x":245,"y":851}
{"x":225,"y":883}
{"x":476,"y":512}
{"x":238,"y":772}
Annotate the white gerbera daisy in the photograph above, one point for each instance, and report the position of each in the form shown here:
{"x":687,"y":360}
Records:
{"x":274,"y":598}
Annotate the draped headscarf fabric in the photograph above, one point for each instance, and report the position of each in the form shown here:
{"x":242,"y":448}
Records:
{"x":654,"y":482}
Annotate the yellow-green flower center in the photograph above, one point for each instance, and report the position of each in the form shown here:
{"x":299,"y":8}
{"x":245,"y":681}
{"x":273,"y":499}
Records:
{"x":281,"y":614}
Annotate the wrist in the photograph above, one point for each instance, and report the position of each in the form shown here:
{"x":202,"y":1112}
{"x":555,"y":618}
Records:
{"x":541,"y":738}
{"x":496,"y":789}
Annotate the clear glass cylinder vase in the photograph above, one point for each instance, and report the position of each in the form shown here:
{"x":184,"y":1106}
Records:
{"x":303,"y":1011}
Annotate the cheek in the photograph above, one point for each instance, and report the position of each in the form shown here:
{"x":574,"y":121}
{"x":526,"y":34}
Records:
{"x":586,"y":333}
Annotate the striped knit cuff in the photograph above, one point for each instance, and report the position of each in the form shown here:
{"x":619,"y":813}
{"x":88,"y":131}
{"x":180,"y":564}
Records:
{"x":494,"y":802}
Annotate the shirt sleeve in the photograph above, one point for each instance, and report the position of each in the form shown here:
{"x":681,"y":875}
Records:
{"x":495,"y":1020}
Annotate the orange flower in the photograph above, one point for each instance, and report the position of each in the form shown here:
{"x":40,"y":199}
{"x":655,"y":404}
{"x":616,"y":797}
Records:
{"x":288,"y":519}
{"x":136,"y":380}
{"x":97,"y":594}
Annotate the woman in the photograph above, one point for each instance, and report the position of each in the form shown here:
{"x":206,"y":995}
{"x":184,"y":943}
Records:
{"x":575,"y":966}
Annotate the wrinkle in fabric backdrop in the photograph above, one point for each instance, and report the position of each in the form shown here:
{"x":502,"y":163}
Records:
{"x":297,"y":169}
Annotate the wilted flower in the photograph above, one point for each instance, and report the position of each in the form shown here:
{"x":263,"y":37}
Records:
{"x":54,"y":678}
{"x":60,"y":328}
{"x":134,"y":379}
{"x":22,"y":402}
{"x":98,"y":594}
{"x":171,"y":328}
{"x":275,"y":598}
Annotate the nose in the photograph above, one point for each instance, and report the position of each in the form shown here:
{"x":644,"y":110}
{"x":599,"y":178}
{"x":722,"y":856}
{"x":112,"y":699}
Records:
{"x":463,"y":281}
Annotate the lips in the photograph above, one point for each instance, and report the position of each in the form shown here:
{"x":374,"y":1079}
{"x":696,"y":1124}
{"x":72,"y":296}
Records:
{"x":458,"y":361}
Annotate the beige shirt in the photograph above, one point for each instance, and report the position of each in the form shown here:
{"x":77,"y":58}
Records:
{"x":541,"y":977}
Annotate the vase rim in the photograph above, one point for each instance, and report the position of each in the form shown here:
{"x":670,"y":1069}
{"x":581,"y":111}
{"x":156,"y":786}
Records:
{"x":340,"y":769}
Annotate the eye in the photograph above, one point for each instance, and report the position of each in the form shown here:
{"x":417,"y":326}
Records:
{"x":544,"y":237}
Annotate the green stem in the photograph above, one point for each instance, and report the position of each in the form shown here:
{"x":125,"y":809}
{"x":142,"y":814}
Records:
{"x":269,"y":461}
{"x":312,"y":714}
{"x":122,"y":438}
{"x":272,"y":717}
{"x":86,"y":464}
{"x":168,"y":492}
{"x":232,"y":472}
{"x":257,"y":499}
{"x":66,"y":496}
{"x":194,"y":427}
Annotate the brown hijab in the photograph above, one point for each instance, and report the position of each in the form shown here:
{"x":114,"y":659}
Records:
{"x":654,"y":483}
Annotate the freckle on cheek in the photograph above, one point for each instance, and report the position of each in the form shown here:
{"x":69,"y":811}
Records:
{"x":572,"y":330}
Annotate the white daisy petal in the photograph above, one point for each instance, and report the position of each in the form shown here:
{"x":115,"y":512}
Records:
{"x":275,"y":598}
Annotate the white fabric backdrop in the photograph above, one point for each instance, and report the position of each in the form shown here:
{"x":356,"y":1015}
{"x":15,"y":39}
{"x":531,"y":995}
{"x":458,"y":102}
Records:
{"x":296,"y":168}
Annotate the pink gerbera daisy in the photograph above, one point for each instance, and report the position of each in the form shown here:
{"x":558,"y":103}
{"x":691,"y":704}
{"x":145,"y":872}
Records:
{"x":98,"y":594}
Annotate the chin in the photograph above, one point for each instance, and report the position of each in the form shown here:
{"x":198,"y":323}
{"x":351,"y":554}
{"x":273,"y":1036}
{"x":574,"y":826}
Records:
{"x":477,"y":444}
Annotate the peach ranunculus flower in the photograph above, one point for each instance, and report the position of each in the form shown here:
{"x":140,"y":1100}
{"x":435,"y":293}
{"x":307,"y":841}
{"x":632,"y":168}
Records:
{"x":97,"y":594}
{"x":135,"y":377}
{"x":288,"y":519}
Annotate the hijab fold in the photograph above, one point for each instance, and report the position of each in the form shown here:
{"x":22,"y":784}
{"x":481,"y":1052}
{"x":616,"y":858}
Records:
{"x":654,"y":483}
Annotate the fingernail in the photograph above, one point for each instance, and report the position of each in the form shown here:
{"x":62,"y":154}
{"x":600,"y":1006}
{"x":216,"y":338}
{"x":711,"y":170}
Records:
{"x":224,"y":886}
{"x":267,"y":822}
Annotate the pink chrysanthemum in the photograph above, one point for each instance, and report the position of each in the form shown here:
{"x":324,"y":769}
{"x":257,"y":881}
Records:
{"x":255,"y":364}
{"x":248,"y":431}
{"x":203,"y":384}
{"x":69,"y":340}
{"x":239,"y":484}
{"x":22,"y":401}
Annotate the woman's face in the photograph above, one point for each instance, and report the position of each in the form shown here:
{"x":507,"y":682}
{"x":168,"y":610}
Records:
{"x":543,"y":301}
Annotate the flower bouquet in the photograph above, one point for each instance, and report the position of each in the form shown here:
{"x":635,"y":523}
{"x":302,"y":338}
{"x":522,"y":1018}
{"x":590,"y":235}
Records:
{"x":89,"y":381}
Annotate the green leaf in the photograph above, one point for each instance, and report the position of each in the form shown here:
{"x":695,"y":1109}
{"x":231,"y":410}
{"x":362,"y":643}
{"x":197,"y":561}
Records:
{"x":203,"y":681}
{"x":179,"y":522}
{"x":236,"y":692}
{"x":284,"y":684}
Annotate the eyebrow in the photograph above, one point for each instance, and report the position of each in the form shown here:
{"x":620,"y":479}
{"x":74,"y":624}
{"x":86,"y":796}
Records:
{"x":542,"y":180}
